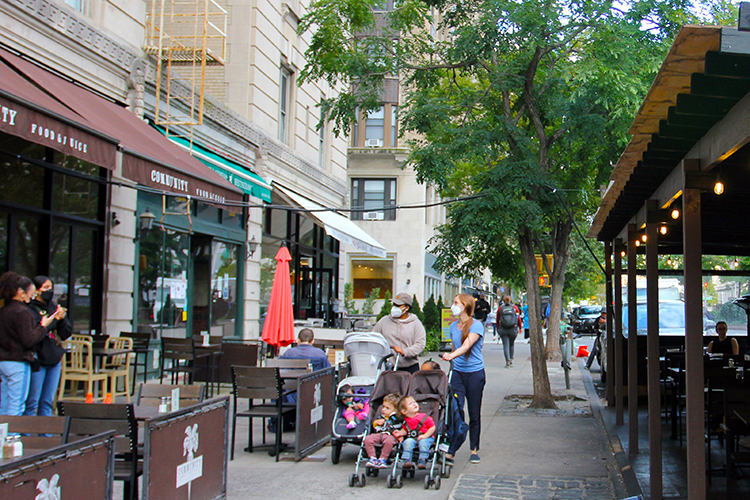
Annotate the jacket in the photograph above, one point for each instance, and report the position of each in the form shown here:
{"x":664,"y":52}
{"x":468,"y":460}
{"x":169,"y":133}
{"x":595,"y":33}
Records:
{"x":20,"y":332}
{"x":63,"y":327}
{"x":408,"y":334}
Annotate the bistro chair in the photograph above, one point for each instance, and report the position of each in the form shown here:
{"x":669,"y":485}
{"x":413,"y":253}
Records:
{"x":182,"y":357}
{"x":119,"y":366}
{"x":258,"y":385}
{"x":40,"y":433}
{"x":736,"y":424}
{"x":151,"y":394}
{"x":235,"y":354}
{"x":86,"y":420}
{"x":141,"y":346}
{"x":78,"y":366}
{"x":296,"y":366}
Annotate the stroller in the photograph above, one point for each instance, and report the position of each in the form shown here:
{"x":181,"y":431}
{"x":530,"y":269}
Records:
{"x":390,"y":382}
{"x":367,"y":353}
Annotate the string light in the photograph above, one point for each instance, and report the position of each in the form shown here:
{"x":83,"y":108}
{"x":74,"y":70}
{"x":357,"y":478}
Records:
{"x":675,"y":213}
{"x":663,"y":230}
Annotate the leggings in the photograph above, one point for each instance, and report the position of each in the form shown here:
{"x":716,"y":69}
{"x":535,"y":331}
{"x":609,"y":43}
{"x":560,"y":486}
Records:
{"x":470,"y":386}
{"x":508,"y":337}
{"x":383,"y":438}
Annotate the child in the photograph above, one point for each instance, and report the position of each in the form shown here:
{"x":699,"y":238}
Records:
{"x":355,"y":409}
{"x":419,"y":430}
{"x":383,"y":429}
{"x":430,"y":365}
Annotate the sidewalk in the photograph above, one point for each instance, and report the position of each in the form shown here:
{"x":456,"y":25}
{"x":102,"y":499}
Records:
{"x":526,"y":454}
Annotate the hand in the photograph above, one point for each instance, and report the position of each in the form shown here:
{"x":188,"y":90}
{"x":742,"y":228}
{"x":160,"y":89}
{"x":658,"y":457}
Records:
{"x":47,"y":320}
{"x":59,"y":313}
{"x":420,"y":437}
{"x":378,"y":422}
{"x":447,"y":356}
{"x":398,"y":350}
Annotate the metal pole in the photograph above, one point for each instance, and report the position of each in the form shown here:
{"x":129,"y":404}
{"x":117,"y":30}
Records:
{"x":632,"y":344}
{"x":609,"y":361}
{"x":652,"y":341}
{"x":618,"y":339}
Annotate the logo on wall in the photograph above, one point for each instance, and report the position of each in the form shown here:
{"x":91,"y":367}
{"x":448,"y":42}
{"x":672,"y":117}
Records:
{"x":48,"y":490}
{"x":192,"y":469}
{"x":316,"y":414}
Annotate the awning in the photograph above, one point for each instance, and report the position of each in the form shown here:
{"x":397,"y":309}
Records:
{"x":149,"y":158}
{"x":337,"y":225}
{"x":29,"y":113}
{"x":239,"y":176}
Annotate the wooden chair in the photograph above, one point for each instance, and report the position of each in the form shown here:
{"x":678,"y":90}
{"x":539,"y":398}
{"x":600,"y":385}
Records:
{"x":42,"y":433}
{"x":736,"y":424}
{"x":302,"y":365}
{"x":151,"y":394}
{"x":86,"y":420}
{"x":78,"y":366}
{"x":141,"y":345}
{"x":182,"y":357}
{"x":257,"y":385}
{"x":235,"y":354}
{"x":118,"y":366}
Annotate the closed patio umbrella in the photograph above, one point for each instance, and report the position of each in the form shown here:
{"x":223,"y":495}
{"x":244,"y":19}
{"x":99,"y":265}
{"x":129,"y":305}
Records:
{"x":278,"y":329}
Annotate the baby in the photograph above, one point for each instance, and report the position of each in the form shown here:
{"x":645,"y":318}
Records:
{"x":383,"y":432}
{"x":419,"y":429}
{"x":354,"y":408}
{"x":430,"y":365}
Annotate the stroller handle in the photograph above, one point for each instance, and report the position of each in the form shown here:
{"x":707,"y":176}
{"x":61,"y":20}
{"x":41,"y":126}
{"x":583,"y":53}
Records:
{"x":383,"y":360}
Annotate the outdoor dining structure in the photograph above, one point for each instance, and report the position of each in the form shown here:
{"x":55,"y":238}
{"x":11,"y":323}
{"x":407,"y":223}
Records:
{"x":681,"y":187}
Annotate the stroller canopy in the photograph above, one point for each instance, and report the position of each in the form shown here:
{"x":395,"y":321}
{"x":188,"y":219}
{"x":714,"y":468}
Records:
{"x":365,"y":351}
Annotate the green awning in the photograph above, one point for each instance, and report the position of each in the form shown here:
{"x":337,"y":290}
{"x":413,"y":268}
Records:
{"x":246,"y":180}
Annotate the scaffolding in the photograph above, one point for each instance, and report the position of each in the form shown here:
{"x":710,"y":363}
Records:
{"x":185,"y":36}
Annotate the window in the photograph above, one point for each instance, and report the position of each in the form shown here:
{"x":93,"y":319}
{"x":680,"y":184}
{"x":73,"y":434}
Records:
{"x":375,"y":128}
{"x":372,"y":195}
{"x":355,"y":128}
{"x":285,"y":86}
{"x":76,"y":4}
{"x":394,"y":126}
{"x":321,"y":144}
{"x":370,"y":274}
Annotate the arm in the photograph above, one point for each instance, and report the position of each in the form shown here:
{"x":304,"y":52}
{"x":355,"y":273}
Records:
{"x":30,"y":333}
{"x":711,"y":347}
{"x":64,"y":328}
{"x":427,"y":434}
{"x":465,"y":347}
{"x":735,"y":347}
{"x":420,"y":340}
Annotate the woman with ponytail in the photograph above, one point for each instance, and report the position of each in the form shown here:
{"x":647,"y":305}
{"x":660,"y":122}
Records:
{"x":467,"y":379}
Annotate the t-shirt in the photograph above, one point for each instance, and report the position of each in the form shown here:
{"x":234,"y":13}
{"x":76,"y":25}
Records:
{"x":412,"y":423}
{"x":475,"y":361}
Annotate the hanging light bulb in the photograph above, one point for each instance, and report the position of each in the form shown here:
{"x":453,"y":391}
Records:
{"x":669,"y":262}
{"x":663,"y":230}
{"x":637,"y":243}
{"x":675,"y":213}
{"x":718,"y":187}
{"x":736,"y":263}
{"x":644,"y":238}
{"x":622,"y":254}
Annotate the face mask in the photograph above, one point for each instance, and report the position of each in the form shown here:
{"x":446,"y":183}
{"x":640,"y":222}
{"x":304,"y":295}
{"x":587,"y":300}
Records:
{"x":47,"y":295}
{"x":396,"y":312}
{"x":456,"y":310}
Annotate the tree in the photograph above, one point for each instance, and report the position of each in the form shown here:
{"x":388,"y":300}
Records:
{"x":387,"y":305}
{"x":349,"y":299}
{"x":431,"y":315}
{"x":415,"y":309}
{"x":370,"y":301}
{"x":525,"y":104}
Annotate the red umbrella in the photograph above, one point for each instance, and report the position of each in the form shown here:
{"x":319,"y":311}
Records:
{"x":278,"y":329}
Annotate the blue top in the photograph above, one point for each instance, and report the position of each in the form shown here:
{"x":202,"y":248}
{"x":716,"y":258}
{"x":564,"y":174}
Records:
{"x":526,"y":316}
{"x":475,"y":361}
{"x":316,"y":356}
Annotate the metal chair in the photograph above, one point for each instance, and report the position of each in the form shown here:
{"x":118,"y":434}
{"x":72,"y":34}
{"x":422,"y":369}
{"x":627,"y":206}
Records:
{"x":151,"y":394}
{"x":182,"y":356}
{"x":40,"y":433}
{"x":78,"y":366}
{"x":119,"y":366}
{"x":141,"y":345}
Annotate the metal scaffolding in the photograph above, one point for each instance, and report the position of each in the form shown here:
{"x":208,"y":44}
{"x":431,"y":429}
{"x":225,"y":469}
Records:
{"x":185,"y":36}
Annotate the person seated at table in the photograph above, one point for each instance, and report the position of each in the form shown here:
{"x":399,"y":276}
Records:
{"x":724,"y":345}
{"x":305,"y":350}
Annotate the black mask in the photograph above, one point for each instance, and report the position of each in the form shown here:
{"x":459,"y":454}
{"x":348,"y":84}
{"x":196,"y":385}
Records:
{"x":47,"y":295}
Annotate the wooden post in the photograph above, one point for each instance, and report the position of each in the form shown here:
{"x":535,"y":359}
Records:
{"x":609,"y":361}
{"x":652,"y":342}
{"x":618,"y":343}
{"x":632,"y":344}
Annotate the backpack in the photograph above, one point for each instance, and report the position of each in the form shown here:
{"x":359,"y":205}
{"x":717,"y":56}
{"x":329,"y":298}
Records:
{"x":508,"y":318}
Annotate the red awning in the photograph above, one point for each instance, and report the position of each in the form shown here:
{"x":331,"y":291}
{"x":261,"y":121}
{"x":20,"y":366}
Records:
{"x":29,"y":113}
{"x":149,"y":158}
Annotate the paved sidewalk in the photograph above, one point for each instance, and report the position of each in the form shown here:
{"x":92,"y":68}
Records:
{"x":526,"y":454}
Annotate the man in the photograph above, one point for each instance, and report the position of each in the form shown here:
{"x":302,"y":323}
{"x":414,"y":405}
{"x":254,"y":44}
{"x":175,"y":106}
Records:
{"x":404,"y":332}
{"x":305,"y":350}
{"x":481,"y":309}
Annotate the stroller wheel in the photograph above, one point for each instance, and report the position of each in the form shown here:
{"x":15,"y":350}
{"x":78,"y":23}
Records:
{"x":389,"y":481}
{"x":375,"y":472}
{"x":335,"y":451}
{"x":352,"y":480}
{"x":362,"y":480}
{"x":447,"y":472}
{"x":411,"y":473}
{"x":399,"y":481}
{"x":427,"y":482}
{"x":437,"y":482}
{"x":368,"y":471}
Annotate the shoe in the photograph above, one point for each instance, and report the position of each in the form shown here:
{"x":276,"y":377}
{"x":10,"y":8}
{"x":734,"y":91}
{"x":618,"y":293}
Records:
{"x":507,"y":365}
{"x":511,"y":362}
{"x":382,"y":463}
{"x":475,"y":458}
{"x":351,"y":425}
{"x":408,"y":465}
{"x":421,"y":464}
{"x":373,"y":462}
{"x":449,"y":461}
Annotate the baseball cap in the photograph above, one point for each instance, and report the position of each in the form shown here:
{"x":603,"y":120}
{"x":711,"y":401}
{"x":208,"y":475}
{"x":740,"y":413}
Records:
{"x":403,"y":299}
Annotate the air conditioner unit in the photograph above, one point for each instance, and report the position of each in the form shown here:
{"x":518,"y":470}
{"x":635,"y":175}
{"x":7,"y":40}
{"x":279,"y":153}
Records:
{"x":374,"y":143}
{"x":373,"y":216}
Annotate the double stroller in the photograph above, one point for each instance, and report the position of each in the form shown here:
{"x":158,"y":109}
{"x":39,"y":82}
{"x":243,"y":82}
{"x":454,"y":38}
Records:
{"x":430,"y":389}
{"x":367,"y":353}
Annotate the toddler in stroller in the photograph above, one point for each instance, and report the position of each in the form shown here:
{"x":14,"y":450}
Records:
{"x":384,"y":428}
{"x":355,"y":408}
{"x":417,"y":431}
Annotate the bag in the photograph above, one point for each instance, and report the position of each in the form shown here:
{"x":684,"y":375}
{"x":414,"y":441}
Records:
{"x":508,"y":318}
{"x":49,"y":351}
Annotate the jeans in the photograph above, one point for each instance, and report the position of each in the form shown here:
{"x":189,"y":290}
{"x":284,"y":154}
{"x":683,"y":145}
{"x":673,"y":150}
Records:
{"x":470,"y":386}
{"x":424,"y":448}
{"x":14,"y":386}
{"x":42,"y":389}
{"x":508,"y":337}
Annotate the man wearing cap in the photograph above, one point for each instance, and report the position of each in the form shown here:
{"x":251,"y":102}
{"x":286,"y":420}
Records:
{"x":404,"y":332}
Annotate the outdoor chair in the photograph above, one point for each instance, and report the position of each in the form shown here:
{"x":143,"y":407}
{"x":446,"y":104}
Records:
{"x":258,"y":385}
{"x":151,"y":394}
{"x":235,"y":354}
{"x":736,"y":424}
{"x":119,"y":366}
{"x":302,"y":365}
{"x":78,"y":366}
{"x":40,"y":433}
{"x":183,"y":359}
{"x":86,"y":420}
{"x":141,"y":346}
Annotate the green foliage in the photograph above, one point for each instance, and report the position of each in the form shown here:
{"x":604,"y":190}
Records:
{"x":387,"y":305}
{"x":732,"y":314}
{"x":432,"y":341}
{"x":440,"y":305}
{"x":349,"y":299}
{"x":417,"y":310}
{"x":431,"y":315}
{"x":370,"y":301}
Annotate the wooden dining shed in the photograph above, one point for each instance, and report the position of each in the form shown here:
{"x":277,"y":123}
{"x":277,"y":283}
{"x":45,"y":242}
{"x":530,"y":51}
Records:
{"x":692,"y":130}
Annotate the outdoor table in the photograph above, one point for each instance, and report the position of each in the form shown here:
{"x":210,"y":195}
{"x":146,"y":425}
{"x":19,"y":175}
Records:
{"x":27,"y":453}
{"x":102,"y":352}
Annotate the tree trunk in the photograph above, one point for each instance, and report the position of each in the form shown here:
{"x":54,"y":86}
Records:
{"x":542,"y":391}
{"x":560,"y":252}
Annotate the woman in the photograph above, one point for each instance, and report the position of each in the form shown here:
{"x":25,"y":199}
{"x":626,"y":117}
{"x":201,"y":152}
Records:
{"x":404,"y":332}
{"x":468,"y":377}
{"x":724,"y":345}
{"x":20,"y":331}
{"x":49,"y":351}
{"x":507,"y":326}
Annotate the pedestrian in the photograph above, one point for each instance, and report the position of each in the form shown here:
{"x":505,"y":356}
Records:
{"x":468,"y":377}
{"x":20,"y":331}
{"x":492,"y":320}
{"x":525,"y":318}
{"x":43,"y":384}
{"x":404,"y":333}
{"x":507,"y":325}
{"x":481,"y":308}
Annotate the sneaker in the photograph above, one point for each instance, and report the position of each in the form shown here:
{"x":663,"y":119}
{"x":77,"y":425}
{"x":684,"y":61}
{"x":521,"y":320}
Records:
{"x":511,"y":362}
{"x":373,"y":462}
{"x":475,"y":458}
{"x":351,"y":425}
{"x":421,"y":464}
{"x":449,"y":461}
{"x":408,"y":465}
{"x":382,"y":463}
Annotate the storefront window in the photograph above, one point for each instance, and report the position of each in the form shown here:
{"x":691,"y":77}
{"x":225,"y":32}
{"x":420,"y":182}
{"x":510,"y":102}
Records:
{"x":370,"y":274}
{"x":84,"y":278}
{"x":21,"y":183}
{"x":75,"y":196}
{"x":224,"y":289}
{"x":60,"y":262}
{"x":3,"y":242}
{"x":26,"y":248}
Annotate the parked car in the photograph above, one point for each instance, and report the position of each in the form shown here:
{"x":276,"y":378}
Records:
{"x":583,"y":319}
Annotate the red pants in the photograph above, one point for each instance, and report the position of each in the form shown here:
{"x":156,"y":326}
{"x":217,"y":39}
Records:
{"x":387,"y":440}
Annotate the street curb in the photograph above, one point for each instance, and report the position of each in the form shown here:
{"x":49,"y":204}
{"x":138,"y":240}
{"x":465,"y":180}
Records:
{"x":626,"y":485}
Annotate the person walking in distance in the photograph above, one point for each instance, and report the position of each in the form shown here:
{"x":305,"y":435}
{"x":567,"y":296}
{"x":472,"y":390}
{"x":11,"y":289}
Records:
{"x":507,"y":325}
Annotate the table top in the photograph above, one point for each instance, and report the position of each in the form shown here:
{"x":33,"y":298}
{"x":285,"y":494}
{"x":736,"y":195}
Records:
{"x":106,"y":352}
{"x":26,"y":453}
